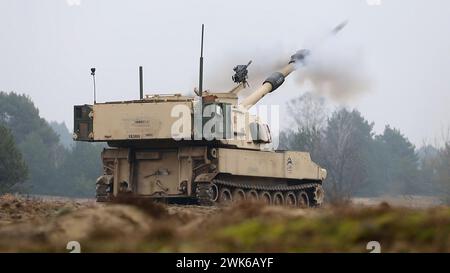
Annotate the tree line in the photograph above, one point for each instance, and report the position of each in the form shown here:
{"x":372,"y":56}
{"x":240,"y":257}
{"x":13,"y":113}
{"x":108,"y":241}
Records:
{"x":39,"y":157}
{"x":360,"y":162}
{"x":35,"y":159}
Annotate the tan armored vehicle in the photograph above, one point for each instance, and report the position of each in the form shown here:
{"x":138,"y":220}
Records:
{"x":205,"y":148}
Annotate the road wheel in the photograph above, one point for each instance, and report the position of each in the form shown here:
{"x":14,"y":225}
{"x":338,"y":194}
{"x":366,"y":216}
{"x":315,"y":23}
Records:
{"x":225,"y":196}
{"x":252,"y":195}
{"x":278,"y":199}
{"x":214,"y":192}
{"x":290,"y":200}
{"x":265,"y":197}
{"x":303,"y":199}
{"x":319,"y":195}
{"x":238,"y":195}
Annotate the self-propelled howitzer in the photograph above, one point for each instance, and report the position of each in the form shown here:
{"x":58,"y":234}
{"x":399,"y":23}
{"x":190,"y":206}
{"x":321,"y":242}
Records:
{"x":205,"y":148}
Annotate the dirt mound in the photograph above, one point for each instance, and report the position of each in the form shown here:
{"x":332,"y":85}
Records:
{"x":47,"y":226}
{"x":22,"y":208}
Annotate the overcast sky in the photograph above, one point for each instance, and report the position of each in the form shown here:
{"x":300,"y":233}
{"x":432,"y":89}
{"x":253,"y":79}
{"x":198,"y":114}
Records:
{"x":47,"y":48}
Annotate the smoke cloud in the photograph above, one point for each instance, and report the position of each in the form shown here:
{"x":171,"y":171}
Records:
{"x":338,"y":75}
{"x":335,"y":70}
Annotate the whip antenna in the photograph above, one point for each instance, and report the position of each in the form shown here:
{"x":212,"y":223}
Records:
{"x":93,"y":78}
{"x":200,"y":80}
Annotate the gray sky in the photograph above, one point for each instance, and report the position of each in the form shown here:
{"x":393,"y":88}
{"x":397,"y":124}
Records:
{"x":47,"y":48}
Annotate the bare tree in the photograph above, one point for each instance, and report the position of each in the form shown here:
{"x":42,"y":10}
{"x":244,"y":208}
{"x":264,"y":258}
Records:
{"x":308,"y":115}
{"x":308,"y":111}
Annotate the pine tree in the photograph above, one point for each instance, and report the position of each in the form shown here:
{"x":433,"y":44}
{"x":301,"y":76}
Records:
{"x":13,"y":170}
{"x":443,"y":172}
{"x":399,"y":164}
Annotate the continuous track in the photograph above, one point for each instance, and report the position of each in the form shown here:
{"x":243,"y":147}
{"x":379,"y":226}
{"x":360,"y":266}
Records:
{"x":299,"y":195}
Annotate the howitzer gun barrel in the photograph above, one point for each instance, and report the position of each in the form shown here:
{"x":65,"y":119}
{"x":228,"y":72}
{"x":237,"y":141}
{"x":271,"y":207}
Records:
{"x":275,"y":80}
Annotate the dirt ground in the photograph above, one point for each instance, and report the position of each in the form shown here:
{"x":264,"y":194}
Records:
{"x":409,"y":201}
{"x":30,"y":224}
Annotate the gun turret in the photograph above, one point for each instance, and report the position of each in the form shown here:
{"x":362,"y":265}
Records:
{"x":276,"y":79}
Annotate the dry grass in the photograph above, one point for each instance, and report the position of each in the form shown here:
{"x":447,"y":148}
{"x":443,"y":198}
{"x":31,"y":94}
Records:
{"x":39,"y":225}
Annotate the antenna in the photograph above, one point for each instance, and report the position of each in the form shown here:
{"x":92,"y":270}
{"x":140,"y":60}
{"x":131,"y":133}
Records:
{"x":141,"y":82}
{"x":93,"y":78}
{"x":200,"y":80}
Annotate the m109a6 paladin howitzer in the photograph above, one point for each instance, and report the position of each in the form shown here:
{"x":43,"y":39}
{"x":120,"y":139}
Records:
{"x":205,"y":148}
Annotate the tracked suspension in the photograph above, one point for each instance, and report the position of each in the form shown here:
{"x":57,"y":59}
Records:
{"x":221,"y":191}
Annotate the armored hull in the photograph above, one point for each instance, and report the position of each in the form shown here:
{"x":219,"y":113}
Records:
{"x":208,"y":174}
